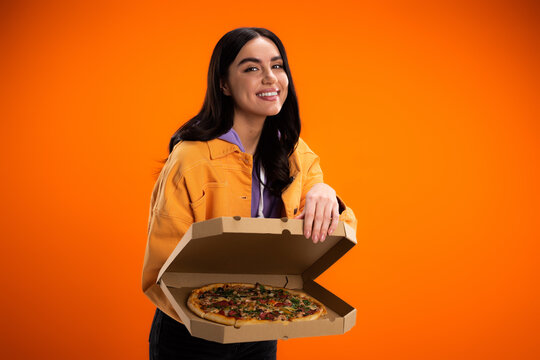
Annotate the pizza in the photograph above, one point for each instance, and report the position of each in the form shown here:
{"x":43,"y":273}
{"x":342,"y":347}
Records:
{"x":248,"y":304}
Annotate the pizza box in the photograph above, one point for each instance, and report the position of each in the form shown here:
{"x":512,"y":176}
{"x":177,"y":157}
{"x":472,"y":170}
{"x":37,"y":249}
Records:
{"x":250,"y":250}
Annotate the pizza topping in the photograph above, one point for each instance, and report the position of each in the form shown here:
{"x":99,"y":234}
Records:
{"x":222,"y":303}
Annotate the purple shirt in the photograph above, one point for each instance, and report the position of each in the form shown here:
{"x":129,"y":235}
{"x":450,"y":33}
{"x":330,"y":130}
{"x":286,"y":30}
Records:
{"x":272,"y":204}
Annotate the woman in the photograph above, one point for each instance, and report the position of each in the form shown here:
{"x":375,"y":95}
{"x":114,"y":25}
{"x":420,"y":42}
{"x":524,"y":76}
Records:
{"x":241,"y":155}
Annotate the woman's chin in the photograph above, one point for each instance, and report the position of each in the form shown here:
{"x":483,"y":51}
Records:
{"x":273,"y":111}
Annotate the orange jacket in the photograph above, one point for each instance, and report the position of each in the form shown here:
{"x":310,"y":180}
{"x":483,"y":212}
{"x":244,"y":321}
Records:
{"x":202,"y":180}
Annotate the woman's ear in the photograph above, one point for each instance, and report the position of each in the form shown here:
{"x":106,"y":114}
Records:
{"x":224,"y":88}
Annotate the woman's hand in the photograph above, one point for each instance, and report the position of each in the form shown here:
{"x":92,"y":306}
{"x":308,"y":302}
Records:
{"x":321,"y":212}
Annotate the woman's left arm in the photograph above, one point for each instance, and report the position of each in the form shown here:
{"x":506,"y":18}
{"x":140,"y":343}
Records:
{"x":323,"y":209}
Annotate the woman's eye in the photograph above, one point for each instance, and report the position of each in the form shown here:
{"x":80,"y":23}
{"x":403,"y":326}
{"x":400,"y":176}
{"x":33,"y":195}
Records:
{"x":254,"y":67}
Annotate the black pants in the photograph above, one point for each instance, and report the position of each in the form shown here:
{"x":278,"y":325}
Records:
{"x":170,"y":339}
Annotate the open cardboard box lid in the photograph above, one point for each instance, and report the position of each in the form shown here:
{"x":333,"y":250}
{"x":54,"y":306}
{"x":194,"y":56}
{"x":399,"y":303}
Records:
{"x":269,"y":251}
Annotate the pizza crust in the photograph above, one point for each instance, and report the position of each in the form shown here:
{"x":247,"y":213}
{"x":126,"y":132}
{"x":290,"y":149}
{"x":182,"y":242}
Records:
{"x":194,"y":305}
{"x":225,"y":320}
{"x":242,"y":322}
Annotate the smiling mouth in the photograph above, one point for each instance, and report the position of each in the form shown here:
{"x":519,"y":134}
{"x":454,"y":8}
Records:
{"x":268,"y":94}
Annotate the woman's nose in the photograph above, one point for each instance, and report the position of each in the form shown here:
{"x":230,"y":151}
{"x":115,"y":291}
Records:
{"x":269,"y":77}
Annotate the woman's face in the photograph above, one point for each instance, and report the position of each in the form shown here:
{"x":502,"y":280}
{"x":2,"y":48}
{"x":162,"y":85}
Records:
{"x":255,"y":75}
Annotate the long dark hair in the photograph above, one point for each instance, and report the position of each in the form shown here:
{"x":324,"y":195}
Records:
{"x":280,"y":132}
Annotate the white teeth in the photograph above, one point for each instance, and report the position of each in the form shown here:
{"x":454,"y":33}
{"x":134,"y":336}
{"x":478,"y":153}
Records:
{"x":274,"y":93}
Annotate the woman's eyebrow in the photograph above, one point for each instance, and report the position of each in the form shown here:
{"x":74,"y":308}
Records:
{"x":257,"y":60}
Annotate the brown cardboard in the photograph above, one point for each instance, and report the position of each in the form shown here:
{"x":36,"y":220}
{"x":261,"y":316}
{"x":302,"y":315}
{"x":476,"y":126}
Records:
{"x":250,"y":250}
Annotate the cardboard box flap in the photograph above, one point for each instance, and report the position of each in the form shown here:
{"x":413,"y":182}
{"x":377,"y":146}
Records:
{"x":332,"y":255}
{"x":255,"y":246}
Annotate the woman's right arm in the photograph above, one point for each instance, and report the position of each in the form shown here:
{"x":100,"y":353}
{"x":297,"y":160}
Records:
{"x":169,"y":219}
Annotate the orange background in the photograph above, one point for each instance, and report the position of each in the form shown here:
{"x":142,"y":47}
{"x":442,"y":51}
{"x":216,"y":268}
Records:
{"x":425,"y":116}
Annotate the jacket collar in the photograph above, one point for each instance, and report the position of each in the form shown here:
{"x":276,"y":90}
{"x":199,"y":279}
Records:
{"x":220,"y":148}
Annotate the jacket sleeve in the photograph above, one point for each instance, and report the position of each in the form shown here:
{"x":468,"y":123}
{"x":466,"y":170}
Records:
{"x":169,"y":219}
{"x":314,"y":175}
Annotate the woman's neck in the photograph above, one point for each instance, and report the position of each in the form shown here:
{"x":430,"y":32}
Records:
{"x":249,"y":131}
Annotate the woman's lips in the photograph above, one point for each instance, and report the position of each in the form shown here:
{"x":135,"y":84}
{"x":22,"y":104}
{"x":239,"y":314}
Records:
{"x":269,"y":91}
{"x":269,"y":98}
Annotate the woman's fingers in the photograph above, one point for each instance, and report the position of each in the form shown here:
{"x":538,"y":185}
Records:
{"x":309,"y":213}
{"x":335,"y":219}
{"x":318,"y":221}
{"x":320,"y":226}
{"x":326,"y":221}
{"x":321,"y":212}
